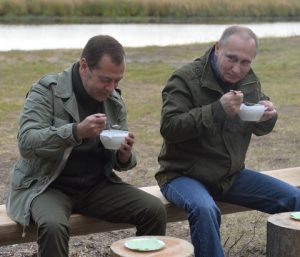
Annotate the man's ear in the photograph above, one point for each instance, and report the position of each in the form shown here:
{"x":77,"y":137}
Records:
{"x":217,"y":47}
{"x":83,"y":64}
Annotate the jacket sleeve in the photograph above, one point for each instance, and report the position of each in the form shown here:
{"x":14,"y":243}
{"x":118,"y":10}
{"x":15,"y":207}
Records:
{"x":182,"y":117}
{"x":38,"y":137}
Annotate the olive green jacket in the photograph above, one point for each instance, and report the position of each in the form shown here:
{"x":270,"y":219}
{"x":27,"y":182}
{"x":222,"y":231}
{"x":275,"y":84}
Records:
{"x":199,"y":140}
{"x":45,"y":140}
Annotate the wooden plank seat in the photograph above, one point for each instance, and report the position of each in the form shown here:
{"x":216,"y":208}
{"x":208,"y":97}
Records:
{"x":11,"y":233}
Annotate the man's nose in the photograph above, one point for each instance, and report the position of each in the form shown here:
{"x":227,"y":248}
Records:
{"x":236,"y":68}
{"x":111,"y":86}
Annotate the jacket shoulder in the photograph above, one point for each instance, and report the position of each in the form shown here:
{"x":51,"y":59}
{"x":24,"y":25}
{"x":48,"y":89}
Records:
{"x":43,"y":84}
{"x":48,"y":80}
{"x":195,"y":69}
{"x":190,"y":71}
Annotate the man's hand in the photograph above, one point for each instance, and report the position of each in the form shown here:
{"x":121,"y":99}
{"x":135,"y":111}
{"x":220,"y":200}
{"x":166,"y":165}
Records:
{"x":270,"y":112}
{"x":124,"y":152}
{"x":231,"y":102}
{"x":91,"y":126}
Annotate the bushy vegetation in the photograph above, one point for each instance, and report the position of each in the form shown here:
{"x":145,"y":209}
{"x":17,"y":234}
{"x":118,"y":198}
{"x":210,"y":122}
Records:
{"x":154,"y":10}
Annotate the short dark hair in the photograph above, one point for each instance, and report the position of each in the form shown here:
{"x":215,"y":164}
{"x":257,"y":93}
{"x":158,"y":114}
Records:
{"x":100,"y":45}
{"x":238,"y":30}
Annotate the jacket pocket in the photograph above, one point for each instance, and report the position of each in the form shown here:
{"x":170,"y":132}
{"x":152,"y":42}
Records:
{"x":211,"y":136}
{"x":239,"y":126}
{"x":21,"y":178}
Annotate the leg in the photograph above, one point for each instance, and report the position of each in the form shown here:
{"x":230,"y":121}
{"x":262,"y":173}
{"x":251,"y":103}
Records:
{"x":262,"y":192}
{"x":125,"y":203}
{"x":203,"y":214}
{"x":51,"y":211}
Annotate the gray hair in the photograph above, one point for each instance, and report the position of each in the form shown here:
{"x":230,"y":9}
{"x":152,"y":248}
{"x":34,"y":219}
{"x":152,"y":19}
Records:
{"x":240,"y":30}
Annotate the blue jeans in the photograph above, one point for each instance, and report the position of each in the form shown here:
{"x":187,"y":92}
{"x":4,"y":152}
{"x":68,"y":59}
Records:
{"x":251,"y":189}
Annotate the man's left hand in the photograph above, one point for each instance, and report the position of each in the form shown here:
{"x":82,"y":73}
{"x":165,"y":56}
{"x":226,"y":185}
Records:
{"x":124,"y":152}
{"x":270,"y":111}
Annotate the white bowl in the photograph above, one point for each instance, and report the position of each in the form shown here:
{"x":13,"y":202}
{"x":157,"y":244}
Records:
{"x":251,"y":113}
{"x":113,"y":139}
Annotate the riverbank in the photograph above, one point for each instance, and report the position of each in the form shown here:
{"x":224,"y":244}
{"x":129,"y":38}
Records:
{"x":144,"y":11}
{"x":277,"y":65}
{"x":32,"y":20}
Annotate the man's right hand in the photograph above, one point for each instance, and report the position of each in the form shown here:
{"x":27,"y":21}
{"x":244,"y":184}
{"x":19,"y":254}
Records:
{"x":91,"y":126}
{"x":231,"y":102}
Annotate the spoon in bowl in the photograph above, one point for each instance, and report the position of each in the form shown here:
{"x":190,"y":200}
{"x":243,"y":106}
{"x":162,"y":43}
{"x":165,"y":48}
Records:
{"x":115,"y":126}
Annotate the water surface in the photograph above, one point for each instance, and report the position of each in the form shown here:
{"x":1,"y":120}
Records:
{"x":35,"y":37}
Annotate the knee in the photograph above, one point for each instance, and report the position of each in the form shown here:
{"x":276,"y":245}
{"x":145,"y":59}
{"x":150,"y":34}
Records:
{"x":53,"y":228}
{"x":204,"y":211}
{"x":294,"y":203}
{"x":156,"y":210}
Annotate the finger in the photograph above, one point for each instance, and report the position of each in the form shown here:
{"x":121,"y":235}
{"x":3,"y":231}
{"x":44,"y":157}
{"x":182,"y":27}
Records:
{"x":99,"y":115}
{"x":235,"y":92}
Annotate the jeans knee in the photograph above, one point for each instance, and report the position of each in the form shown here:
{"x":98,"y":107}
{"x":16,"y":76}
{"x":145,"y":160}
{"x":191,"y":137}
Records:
{"x":204,"y":212}
{"x":294,"y":203}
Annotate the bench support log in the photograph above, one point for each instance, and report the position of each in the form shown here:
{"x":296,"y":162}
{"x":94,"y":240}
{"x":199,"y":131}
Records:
{"x":283,"y":236}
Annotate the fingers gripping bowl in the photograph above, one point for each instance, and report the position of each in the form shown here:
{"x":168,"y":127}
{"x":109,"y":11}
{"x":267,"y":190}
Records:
{"x":113,"y":139}
{"x":251,"y":113}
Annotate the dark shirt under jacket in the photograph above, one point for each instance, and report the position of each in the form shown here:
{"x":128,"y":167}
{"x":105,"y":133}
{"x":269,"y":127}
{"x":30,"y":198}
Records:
{"x":85,"y":165}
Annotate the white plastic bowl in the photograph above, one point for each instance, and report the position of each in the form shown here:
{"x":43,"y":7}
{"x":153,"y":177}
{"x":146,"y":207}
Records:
{"x":251,"y":113}
{"x":113,"y":139}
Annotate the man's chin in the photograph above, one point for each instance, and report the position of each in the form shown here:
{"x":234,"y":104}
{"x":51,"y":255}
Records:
{"x":232,"y":80}
{"x":100,"y":98}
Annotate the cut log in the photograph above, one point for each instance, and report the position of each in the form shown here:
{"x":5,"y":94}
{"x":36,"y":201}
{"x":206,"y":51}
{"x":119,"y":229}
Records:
{"x":174,"y":247}
{"x":283,"y":236}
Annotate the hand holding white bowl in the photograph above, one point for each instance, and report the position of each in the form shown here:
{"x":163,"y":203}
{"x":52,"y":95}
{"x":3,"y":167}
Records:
{"x":113,"y":139}
{"x":252,"y":112}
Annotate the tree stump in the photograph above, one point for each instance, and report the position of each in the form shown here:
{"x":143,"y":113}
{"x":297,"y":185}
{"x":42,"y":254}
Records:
{"x":174,"y":247}
{"x":283,"y":236}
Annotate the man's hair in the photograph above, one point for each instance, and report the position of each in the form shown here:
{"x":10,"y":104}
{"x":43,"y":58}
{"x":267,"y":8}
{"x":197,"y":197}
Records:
{"x":240,"y":30}
{"x":100,"y":45}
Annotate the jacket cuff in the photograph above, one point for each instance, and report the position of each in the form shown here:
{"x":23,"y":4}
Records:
{"x":219,"y":114}
{"x":123,"y":164}
{"x":74,"y":129}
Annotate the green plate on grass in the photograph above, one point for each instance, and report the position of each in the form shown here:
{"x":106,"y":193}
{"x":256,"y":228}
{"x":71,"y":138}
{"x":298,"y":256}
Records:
{"x":295,"y":215}
{"x":144,"y":244}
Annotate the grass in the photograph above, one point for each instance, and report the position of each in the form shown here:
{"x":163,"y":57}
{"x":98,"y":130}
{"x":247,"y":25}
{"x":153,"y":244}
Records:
{"x":277,"y":65}
{"x":95,"y":11}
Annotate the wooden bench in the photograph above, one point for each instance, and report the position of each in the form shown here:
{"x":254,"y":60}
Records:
{"x":11,"y":233}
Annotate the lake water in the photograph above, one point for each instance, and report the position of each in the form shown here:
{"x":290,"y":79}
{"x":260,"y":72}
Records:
{"x":35,"y":37}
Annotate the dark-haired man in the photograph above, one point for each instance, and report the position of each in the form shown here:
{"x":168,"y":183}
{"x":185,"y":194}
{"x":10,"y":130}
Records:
{"x":63,"y":167}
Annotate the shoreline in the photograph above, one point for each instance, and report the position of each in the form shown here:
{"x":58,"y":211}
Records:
{"x":43,"y":20}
